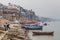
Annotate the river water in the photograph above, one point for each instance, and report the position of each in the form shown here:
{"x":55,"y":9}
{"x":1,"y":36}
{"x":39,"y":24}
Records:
{"x":53,"y":26}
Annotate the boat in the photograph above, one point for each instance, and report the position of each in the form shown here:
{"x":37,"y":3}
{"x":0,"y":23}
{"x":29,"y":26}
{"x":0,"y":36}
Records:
{"x":43,"y":33}
{"x":45,"y":24}
{"x":32,"y":26}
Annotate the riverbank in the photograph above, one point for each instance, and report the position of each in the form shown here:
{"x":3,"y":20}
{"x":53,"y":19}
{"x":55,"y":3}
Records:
{"x":14,"y":33}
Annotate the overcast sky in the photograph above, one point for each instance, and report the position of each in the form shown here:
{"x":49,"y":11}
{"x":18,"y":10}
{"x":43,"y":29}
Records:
{"x":45,"y":8}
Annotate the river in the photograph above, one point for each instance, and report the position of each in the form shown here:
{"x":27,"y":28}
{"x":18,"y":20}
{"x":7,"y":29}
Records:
{"x":53,"y":26}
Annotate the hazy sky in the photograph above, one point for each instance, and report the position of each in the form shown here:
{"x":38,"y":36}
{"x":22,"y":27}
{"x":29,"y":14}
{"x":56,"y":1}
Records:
{"x":45,"y":8}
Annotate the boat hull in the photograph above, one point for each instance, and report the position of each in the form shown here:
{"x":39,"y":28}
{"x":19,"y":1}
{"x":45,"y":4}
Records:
{"x":33,"y":28}
{"x":43,"y":33}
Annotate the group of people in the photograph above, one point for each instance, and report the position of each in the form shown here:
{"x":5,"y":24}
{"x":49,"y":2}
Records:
{"x":6,"y":26}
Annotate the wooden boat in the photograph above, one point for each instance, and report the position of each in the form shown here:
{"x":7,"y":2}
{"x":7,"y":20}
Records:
{"x":43,"y":33}
{"x":33,"y":26}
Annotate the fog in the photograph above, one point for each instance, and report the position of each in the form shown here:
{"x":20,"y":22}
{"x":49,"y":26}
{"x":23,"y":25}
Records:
{"x":45,"y":8}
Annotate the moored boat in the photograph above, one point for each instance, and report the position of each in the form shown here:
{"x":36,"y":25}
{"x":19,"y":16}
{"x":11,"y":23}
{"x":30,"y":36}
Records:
{"x":43,"y":33}
{"x":33,"y":26}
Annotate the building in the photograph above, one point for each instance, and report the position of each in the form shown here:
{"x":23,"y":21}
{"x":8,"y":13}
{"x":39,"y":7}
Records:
{"x":10,"y":12}
{"x":23,"y":16}
{"x":15,"y":12}
{"x":1,"y":9}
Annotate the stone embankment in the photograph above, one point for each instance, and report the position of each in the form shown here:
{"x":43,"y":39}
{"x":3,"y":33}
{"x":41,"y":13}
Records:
{"x":14,"y":33}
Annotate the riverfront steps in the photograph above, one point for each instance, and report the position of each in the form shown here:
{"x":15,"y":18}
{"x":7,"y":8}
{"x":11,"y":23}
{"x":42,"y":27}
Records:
{"x":14,"y":33}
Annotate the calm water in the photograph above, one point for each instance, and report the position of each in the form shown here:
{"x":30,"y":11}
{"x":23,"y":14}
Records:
{"x":53,"y":26}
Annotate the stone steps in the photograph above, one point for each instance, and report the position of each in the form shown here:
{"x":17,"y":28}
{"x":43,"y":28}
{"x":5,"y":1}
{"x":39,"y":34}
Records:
{"x":14,"y":33}
{"x":2,"y":35}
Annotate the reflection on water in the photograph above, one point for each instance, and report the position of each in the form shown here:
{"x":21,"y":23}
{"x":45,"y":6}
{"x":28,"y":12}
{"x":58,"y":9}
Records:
{"x":53,"y":26}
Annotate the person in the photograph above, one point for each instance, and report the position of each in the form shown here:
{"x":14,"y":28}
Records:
{"x":5,"y":27}
{"x":8,"y":26}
